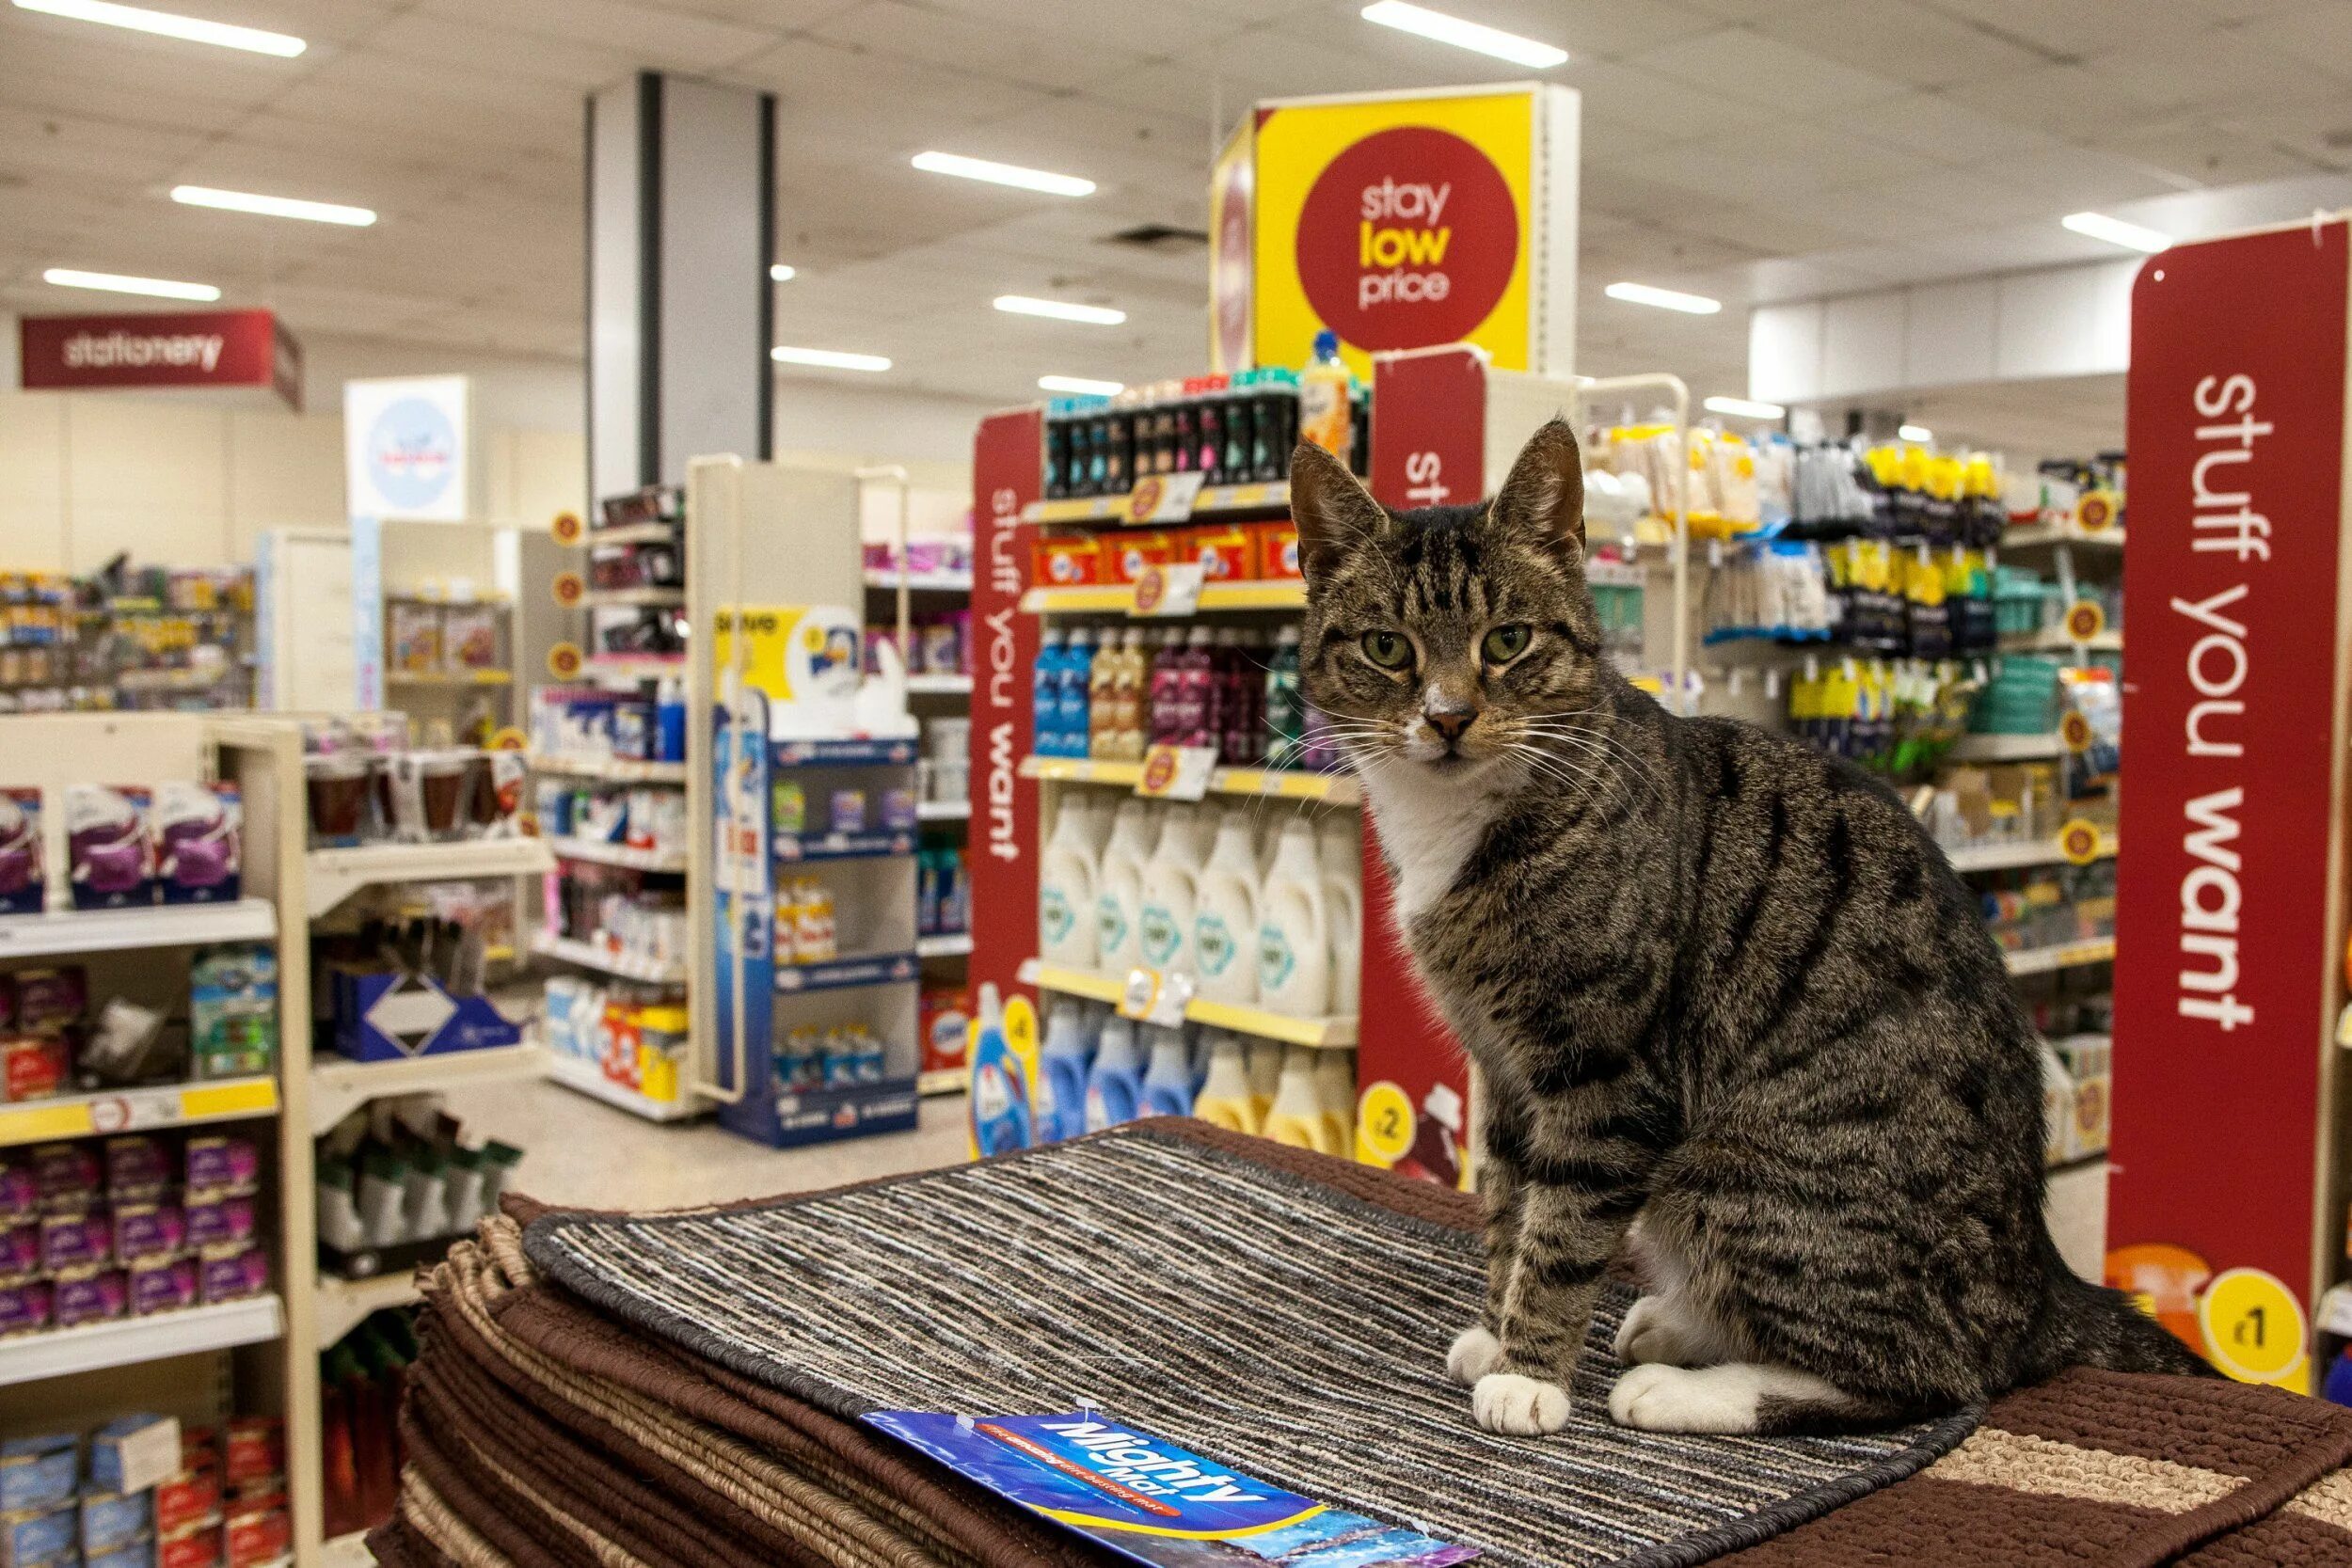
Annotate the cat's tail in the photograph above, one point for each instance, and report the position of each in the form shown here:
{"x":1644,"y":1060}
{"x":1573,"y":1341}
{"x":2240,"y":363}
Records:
{"x":2096,"y":1326}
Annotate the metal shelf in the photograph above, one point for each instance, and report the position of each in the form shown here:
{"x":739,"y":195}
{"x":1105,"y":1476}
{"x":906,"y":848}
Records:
{"x":2059,"y":642}
{"x":633,"y":667}
{"x":127,"y":1342}
{"x":343,"y":1304}
{"x":2045,"y":536}
{"x":921,"y":582}
{"x":632,"y":598}
{"x":573,"y":1073}
{"x":1333,"y":1032}
{"x":951,"y":1079}
{"x":618,"y":854}
{"x":794,"y":848}
{"x":635,"y":533}
{"x":1120,"y":599}
{"x":871,"y":969}
{"x":939,"y":686}
{"x":1274,"y":496}
{"x":444,"y":677}
{"x":339,"y":1086}
{"x":1338,"y":789}
{"x":589,"y":956}
{"x":618,"y":769}
{"x":942,"y":811}
{"x":335,"y":874}
{"x":141,"y":1110}
{"x":2014,"y":857}
{"x":2068,"y":955}
{"x":2007,"y":748}
{"x":66,"y":931}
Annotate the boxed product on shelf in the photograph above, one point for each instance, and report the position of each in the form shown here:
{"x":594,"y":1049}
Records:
{"x":364,"y":783}
{"x":943,"y":1018}
{"x":945,"y":771}
{"x":932,"y":556}
{"x":942,"y":891}
{"x":590,"y":721}
{"x":22,"y":888}
{"x":412,"y":986}
{"x":199,"y":835}
{"x":108,"y":846}
{"x":654,"y":503}
{"x":634,"y":1037}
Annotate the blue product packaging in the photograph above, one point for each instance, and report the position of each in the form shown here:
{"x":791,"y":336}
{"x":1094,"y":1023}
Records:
{"x":115,"y":1519}
{"x":633,"y":732}
{"x":131,"y":1447}
{"x":37,"y":1537}
{"x":39,"y":1472}
{"x":927,"y":893}
{"x":136,"y":1554}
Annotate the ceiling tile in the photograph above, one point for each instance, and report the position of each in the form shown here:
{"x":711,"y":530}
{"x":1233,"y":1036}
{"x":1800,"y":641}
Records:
{"x":1742,"y":64}
{"x":1933,"y":126}
{"x":1051,"y":57}
{"x":655,"y":36}
{"x":1896,"y":40}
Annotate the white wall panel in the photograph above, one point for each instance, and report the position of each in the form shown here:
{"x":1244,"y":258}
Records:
{"x":1949,"y":333}
{"x":285,"y":470}
{"x":1862,"y":342}
{"x":146,"y":476}
{"x":1784,"y":351}
{"x":32,"y":481}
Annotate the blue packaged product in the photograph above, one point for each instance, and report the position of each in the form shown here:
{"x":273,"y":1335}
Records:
{"x":999,"y":1103}
{"x":1046,"y":695}
{"x":37,"y":1536}
{"x":1167,"y":1080}
{"x":1062,"y":1099}
{"x":1073,"y":721}
{"x":38,"y":1472}
{"x":133,"y":1554}
{"x":634,"y":731}
{"x":927,"y":893}
{"x":129,"y":1435}
{"x":115,"y":1519}
{"x":1115,"y":1082}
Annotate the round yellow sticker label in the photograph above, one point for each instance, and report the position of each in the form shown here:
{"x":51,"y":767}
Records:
{"x":2254,"y":1328}
{"x":1384,"y":1123}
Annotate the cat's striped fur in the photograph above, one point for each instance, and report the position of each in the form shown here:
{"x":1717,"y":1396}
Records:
{"x":1713,"y":980}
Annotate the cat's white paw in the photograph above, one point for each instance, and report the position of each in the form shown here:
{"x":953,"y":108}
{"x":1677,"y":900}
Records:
{"x":1474,"y":1353}
{"x":1520,"y":1406}
{"x":1655,"y":1330}
{"x":1718,"y":1400}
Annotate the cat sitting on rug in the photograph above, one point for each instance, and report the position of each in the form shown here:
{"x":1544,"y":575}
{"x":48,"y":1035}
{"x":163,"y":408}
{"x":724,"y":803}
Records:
{"x":1724,"y":992}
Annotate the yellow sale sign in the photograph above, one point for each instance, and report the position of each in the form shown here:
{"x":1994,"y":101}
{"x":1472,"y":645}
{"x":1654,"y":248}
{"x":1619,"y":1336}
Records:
{"x":1396,"y":223}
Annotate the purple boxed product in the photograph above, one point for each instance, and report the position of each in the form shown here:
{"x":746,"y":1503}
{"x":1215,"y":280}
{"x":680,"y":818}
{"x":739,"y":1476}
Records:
{"x":160,"y":1285}
{"x":19,"y":1251}
{"x":198,"y":831}
{"x":144,"y":1231}
{"x":92,"y":1295}
{"x":232,"y":1275}
{"x":76,"y":1241}
{"x":223,"y":1164}
{"x":25,"y":1308}
{"x":20,"y":1191}
{"x":21,"y":888}
{"x":136,"y":1166}
{"x":897,"y":808}
{"x":66,"y":1176}
{"x":107,"y":844}
{"x":219,"y":1219}
{"x":51,"y":1001}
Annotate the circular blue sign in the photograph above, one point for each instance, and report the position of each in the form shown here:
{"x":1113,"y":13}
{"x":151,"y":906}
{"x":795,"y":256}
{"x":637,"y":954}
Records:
{"x":412,"y":454}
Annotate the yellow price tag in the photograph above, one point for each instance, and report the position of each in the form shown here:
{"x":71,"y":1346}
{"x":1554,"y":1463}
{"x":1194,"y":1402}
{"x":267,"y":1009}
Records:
{"x":2085,"y":620}
{"x":569,"y":589}
{"x":2254,"y":1329}
{"x":564,"y":661}
{"x":2074,"y":732}
{"x":1384,"y":1124}
{"x":2078,"y":841}
{"x":568,"y":528}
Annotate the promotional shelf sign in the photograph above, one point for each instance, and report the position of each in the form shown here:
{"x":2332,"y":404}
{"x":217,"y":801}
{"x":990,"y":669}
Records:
{"x":404,"y":449}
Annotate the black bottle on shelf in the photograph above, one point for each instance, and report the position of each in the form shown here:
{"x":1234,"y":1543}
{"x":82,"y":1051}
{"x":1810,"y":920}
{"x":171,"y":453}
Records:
{"x":1163,"y":444}
{"x":1056,"y":451}
{"x":1359,"y":445}
{"x":1278,"y":423}
{"x":1098,"y":428}
{"x":1239,"y":465}
{"x":1118,"y":450}
{"x":1187,"y":437}
{"x":1208,"y":430}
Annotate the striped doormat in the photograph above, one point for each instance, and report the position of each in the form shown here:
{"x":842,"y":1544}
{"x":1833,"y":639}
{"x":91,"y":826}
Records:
{"x":1284,"y":1326}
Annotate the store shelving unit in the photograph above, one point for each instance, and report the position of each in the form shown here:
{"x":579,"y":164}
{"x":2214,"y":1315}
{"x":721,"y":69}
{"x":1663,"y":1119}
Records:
{"x":2007,"y":748}
{"x":332,"y":875}
{"x":2068,"y":955}
{"x":1337,"y":1033}
{"x":63,"y":931}
{"x":343,"y":1304}
{"x":339,"y":1086}
{"x":129,"y":1341}
{"x":618,"y":854}
{"x":574,"y":1073}
{"x":1337,"y":789}
{"x":107,"y":1112}
{"x":1214,"y":501}
{"x":1116,"y":599}
{"x":610,"y":769}
{"x":2019,"y":857}
{"x":589,"y":955}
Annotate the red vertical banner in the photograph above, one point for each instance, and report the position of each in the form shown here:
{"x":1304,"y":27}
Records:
{"x":1413,"y":1108}
{"x":1008,"y":463}
{"x":2225,"y":966}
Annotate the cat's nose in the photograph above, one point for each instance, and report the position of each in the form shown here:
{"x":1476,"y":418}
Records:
{"x":1450,"y":723}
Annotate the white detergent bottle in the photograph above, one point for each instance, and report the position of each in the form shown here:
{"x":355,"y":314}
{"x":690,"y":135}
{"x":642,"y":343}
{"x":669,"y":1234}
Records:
{"x":1335,"y":1090}
{"x":1298,"y":1115}
{"x":1266,"y":1076}
{"x":1343,"y":890}
{"x":1066,"y":888}
{"x":1172,"y":894}
{"x":1167,"y":1078}
{"x":1114,"y":1082}
{"x":1294,"y":929}
{"x":1225,"y":924}
{"x":1118,"y":889}
{"x":1224,"y":1100}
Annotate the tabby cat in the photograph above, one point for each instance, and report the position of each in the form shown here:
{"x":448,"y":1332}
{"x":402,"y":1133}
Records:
{"x":1724,"y":992}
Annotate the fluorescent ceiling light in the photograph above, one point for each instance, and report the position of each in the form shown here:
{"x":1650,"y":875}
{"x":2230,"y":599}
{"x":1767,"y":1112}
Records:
{"x":828,"y":359}
{"x":273,"y":206}
{"x":779,"y":273}
{"x":116,"y":283}
{"x":1916,"y":433}
{"x":194,"y":30}
{"x":1746,"y":408}
{"x":1003,"y":174}
{"x":1465,"y":35}
{"x":2131,"y":236}
{"x":1082,"y":386}
{"x":1665,"y":299}
{"x":1060,"y":310}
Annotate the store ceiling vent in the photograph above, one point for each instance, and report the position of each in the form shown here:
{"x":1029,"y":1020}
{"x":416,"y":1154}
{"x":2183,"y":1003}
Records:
{"x":1161,"y":237}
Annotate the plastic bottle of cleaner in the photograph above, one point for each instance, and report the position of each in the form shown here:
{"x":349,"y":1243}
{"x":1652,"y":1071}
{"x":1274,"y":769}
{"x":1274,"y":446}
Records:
{"x":1061,"y":1072}
{"x":1298,"y":1115}
{"x":1266,"y":1077}
{"x":1168,"y":673}
{"x":1225,"y":921}
{"x":1335,"y":1090}
{"x":1045,"y":695}
{"x":1343,"y":890}
{"x":1224,"y":1100}
{"x":1285,"y":710}
{"x":1115,"y":1082}
{"x":1118,"y":889}
{"x":1077,"y":674}
{"x":1172,"y":894}
{"x":1000,"y":1089}
{"x":1167,"y":1080}
{"x":1326,"y":399}
{"x":1066,"y":888}
{"x":1294,"y":928}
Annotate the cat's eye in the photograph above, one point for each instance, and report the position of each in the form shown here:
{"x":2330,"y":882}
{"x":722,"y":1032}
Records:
{"x":1505,"y":643}
{"x":1388,"y":650}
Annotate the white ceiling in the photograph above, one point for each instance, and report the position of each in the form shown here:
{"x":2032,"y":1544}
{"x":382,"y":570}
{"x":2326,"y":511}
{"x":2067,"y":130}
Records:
{"x":1748,"y":149}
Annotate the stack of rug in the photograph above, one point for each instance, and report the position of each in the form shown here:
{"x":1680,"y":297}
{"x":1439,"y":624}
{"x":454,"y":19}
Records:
{"x":603,"y":1391}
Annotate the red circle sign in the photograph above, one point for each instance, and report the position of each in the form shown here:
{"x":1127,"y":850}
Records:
{"x":1407,"y":238}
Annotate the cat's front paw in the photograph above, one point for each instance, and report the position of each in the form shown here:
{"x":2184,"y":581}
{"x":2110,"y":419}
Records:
{"x":1519,"y":1405}
{"x":1475,"y":1352}
{"x":1653,"y":1330}
{"x":1659,"y":1398}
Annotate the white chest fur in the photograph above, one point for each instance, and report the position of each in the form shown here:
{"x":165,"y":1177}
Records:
{"x":1428,"y":828}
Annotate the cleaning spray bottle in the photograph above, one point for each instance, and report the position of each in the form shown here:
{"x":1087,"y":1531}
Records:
{"x":1000,"y":1083}
{"x":1298,"y":1115}
{"x":1061,"y":1079}
{"x":1326,"y":399}
{"x":1224,"y":1098}
{"x":1115,"y":1082}
{"x":1167,"y":1082}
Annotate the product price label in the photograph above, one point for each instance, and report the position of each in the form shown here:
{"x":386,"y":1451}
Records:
{"x":1384,"y":1124}
{"x":2085,"y":620}
{"x":567,"y":529}
{"x":1176,"y":772}
{"x":565,"y":661}
{"x":2078,"y":841}
{"x":2074,"y":732}
{"x":1161,"y":498}
{"x":1168,"y":589}
{"x":2096,"y":511}
{"x":569,"y":589}
{"x":1154,"y":997}
{"x":2254,"y":1329}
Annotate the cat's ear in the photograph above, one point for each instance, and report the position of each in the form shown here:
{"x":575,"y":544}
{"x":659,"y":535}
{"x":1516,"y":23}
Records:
{"x":1544,"y":494}
{"x":1333,"y":511}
